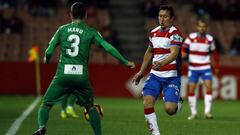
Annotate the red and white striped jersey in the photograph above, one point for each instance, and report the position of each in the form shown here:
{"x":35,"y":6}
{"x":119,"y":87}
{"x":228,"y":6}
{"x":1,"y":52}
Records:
{"x":200,"y":49}
{"x":161,"y":41}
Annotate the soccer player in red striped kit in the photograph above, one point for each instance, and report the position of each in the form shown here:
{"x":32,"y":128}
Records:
{"x":164,"y":51}
{"x":199,"y":47}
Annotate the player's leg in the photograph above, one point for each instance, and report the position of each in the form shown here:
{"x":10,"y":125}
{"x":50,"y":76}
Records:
{"x":207,"y":78}
{"x":53,"y":95}
{"x":151,"y":91}
{"x":64,"y":106}
{"x":171,"y":92}
{"x":193,"y":77}
{"x":69,"y":110}
{"x":94,"y":119}
{"x":85,"y":98}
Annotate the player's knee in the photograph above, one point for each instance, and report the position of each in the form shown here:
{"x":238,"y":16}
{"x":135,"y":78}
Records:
{"x":170,"y":110}
{"x":89,"y":106}
{"x":148,"y":101}
{"x":147,"y":104}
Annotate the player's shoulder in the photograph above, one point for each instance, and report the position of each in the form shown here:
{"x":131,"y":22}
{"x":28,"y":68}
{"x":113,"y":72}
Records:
{"x":89,"y":28}
{"x":174,"y":30}
{"x":62,"y":27}
{"x":193,"y":35}
{"x":155,"y":29}
{"x":209,"y":37}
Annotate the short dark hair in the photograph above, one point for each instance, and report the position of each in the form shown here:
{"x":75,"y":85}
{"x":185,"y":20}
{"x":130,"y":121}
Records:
{"x":168,"y":8}
{"x":203,"y":20}
{"x":78,"y":10}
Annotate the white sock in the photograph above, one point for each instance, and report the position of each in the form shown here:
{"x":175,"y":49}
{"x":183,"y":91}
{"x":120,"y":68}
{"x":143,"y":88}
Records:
{"x":192,"y":100}
{"x":207,"y":103}
{"x":151,"y":120}
{"x":179,"y":105}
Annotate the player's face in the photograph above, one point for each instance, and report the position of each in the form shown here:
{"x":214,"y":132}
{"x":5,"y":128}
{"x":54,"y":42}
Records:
{"x":202,"y":27}
{"x":164,"y":18}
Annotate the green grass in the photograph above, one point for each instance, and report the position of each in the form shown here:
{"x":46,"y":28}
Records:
{"x":125,"y":117}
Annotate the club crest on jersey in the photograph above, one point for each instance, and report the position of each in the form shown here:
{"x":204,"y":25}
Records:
{"x":73,"y":69}
{"x":177,"y":38}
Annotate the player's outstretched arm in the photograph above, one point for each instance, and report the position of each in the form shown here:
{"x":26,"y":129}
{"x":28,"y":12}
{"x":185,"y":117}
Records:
{"x":112,"y":50}
{"x":146,"y":60}
{"x":115,"y":53}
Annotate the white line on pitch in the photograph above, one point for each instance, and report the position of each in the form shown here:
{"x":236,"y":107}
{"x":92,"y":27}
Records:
{"x":18,"y":122}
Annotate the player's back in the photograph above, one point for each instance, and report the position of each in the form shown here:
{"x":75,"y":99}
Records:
{"x":75,"y":40}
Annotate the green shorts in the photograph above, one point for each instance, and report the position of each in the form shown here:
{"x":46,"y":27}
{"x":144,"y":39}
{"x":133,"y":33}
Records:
{"x":61,"y":86}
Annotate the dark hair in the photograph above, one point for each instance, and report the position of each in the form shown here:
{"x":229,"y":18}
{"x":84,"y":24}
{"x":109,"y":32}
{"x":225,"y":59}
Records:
{"x":203,"y":20}
{"x":78,"y":10}
{"x":168,"y":8}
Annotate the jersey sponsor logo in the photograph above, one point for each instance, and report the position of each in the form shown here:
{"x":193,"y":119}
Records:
{"x":174,"y":86}
{"x":73,"y":69}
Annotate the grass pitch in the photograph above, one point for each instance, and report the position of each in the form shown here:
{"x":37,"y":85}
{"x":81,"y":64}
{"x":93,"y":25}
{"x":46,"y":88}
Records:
{"x":124,"y":117}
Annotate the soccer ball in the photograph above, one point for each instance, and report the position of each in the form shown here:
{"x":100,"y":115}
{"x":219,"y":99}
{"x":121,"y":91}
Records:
{"x":99,"y":110}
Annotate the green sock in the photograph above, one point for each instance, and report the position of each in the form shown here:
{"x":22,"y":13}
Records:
{"x":72,"y":100}
{"x":43,"y":115}
{"x":64,"y":102}
{"x":95,"y":121}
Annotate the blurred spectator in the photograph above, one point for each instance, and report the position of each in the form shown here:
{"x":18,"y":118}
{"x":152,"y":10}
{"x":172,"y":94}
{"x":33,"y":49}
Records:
{"x":92,"y":17}
{"x":218,"y":45}
{"x":232,"y":10}
{"x":235,"y":44}
{"x":200,"y":9}
{"x":214,"y":8}
{"x":87,"y":3}
{"x":42,"y":7}
{"x":111,"y":37}
{"x":10,"y":23}
{"x":10,"y":3}
{"x":149,"y":10}
{"x":103,"y":15}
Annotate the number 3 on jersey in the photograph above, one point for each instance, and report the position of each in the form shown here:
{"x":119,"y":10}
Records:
{"x":74,"y":40}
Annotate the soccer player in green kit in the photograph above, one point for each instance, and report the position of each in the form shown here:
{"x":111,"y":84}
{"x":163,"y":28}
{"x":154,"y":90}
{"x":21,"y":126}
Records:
{"x":74,"y":39}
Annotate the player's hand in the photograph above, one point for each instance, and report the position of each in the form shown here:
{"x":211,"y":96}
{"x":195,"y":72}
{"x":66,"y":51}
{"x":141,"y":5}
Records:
{"x":216,"y":71}
{"x":137,"y":78}
{"x":156,"y":65}
{"x":131,"y":64}
{"x":45,"y":61}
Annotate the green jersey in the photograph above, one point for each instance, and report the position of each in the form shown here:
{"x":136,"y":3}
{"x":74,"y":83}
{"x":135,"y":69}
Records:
{"x":75,"y":40}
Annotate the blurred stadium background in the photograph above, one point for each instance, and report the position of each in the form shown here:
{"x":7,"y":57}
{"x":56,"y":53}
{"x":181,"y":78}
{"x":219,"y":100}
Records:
{"x":125,"y":24}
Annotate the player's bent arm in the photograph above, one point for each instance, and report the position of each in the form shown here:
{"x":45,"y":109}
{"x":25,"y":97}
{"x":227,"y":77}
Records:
{"x":146,"y":59}
{"x":48,"y":54}
{"x":52,"y":45}
{"x":215,"y":58}
{"x":114,"y":52}
{"x":215,"y":61}
{"x":174,"y":51}
{"x":184,"y":52}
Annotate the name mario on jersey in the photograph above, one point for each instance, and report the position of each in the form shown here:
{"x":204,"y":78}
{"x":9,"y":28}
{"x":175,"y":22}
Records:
{"x":74,"y":29}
